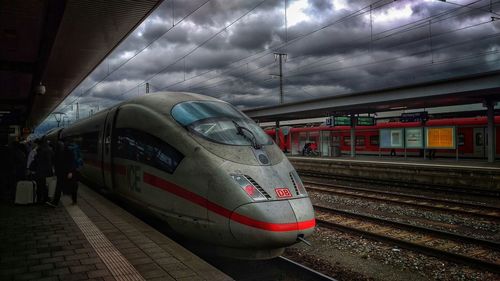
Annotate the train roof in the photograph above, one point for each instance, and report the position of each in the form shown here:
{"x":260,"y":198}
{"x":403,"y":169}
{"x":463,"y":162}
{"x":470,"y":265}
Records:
{"x":164,"y":101}
{"x":470,"y":121}
{"x":161,"y":102}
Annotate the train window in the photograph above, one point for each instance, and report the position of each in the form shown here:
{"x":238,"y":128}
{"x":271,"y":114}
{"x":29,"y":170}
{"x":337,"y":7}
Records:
{"x":87,"y":142}
{"x":347,"y":141}
{"x":360,"y":140}
{"x":219,"y":122}
{"x":139,"y":146}
{"x":335,"y":140}
{"x":188,"y":112}
{"x":374,"y":140}
{"x":461,"y":139}
{"x":479,"y":139}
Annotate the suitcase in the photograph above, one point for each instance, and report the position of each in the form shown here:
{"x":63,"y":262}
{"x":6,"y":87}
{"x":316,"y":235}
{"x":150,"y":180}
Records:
{"x":25,"y":192}
{"x":51,"y":184}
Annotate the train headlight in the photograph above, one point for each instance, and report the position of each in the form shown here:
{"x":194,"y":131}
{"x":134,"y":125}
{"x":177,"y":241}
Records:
{"x":249,"y":188}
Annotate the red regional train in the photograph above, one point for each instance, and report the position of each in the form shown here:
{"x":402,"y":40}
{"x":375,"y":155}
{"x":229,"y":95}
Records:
{"x":471,"y":138}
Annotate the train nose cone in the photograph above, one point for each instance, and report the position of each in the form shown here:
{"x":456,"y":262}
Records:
{"x":273,"y":223}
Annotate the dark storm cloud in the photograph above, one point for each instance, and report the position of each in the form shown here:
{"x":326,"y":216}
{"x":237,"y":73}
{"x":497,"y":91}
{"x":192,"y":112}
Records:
{"x":318,"y":6}
{"x":215,"y":13}
{"x":251,"y":35}
{"x":332,"y":49}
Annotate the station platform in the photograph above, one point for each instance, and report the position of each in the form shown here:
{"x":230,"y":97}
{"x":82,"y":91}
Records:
{"x":462,"y":163}
{"x":92,"y":240}
{"x":473,"y":174}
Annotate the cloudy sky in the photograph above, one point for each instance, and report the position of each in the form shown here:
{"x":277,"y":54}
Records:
{"x":226,"y":49}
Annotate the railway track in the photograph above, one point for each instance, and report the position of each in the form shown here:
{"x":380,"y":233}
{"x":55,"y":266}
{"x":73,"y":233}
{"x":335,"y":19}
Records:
{"x":478,"y":210}
{"x":459,"y":191}
{"x":279,"y":268}
{"x":484,"y":254}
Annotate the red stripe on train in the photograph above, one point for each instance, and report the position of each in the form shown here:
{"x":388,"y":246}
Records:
{"x":201,"y":201}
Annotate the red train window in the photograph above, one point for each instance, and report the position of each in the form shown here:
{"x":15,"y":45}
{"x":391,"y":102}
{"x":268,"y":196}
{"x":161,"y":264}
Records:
{"x":374,"y":140}
{"x":461,"y":139}
{"x":360,"y":140}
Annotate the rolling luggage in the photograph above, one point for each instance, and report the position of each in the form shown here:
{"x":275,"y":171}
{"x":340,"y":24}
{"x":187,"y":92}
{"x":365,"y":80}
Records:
{"x":51,"y":184}
{"x":25,"y":192}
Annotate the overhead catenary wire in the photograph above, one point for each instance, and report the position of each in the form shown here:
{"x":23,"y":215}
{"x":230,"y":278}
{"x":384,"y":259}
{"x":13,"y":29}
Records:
{"x":436,"y":62}
{"x":418,"y":24}
{"x":201,"y":44}
{"x":289,"y":42}
{"x":420,"y":21}
{"x":399,"y":57}
{"x":291,"y":72}
{"x":137,"y":53}
{"x":422,"y":66}
{"x":281,"y":45}
{"x":300,"y":37}
{"x":177,"y":83}
{"x":343,"y":59}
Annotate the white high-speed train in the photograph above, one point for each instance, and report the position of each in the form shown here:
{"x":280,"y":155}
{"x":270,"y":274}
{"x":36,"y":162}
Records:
{"x":200,"y":165}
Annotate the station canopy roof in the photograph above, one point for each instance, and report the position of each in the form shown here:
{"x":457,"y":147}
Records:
{"x":468,"y":89}
{"x":57,"y":43}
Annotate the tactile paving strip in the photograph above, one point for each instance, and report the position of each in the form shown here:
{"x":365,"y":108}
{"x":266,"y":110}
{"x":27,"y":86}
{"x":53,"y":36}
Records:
{"x":117,"y":264}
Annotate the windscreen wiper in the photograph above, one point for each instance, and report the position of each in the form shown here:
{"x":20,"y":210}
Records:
{"x":253,"y":139}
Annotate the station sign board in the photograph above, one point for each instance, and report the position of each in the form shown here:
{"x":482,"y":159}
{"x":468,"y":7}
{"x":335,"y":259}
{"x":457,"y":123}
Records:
{"x":341,"y":121}
{"x":440,"y":137}
{"x":328,"y":121}
{"x":391,"y":138}
{"x":365,"y":121}
{"x":414,"y":137}
{"x":414,"y":116}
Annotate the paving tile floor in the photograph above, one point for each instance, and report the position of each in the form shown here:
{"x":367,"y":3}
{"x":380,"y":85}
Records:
{"x":43,"y":243}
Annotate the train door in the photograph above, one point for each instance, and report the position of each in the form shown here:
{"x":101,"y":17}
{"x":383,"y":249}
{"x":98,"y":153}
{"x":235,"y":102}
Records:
{"x":480,"y":146}
{"x":107,"y":159}
{"x":303,"y":139}
{"x":294,"y":142}
{"x":325,"y":143}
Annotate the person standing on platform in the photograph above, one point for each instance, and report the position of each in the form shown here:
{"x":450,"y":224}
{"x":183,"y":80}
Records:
{"x":59,"y":168}
{"x":43,"y":169}
{"x":30,"y":162}
{"x":65,"y":167}
{"x":77,"y":162}
{"x":17,"y":157}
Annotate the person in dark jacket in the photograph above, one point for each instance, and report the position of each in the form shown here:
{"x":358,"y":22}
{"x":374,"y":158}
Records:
{"x":17,"y":167}
{"x":43,"y":169}
{"x":18,"y":156}
{"x":65,"y":168}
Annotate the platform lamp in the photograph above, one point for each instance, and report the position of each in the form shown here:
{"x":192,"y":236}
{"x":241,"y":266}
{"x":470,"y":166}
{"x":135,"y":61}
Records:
{"x":40,"y":89}
{"x":58,"y":116}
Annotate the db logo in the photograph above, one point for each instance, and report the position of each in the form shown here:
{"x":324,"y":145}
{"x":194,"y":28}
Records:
{"x":283,"y":192}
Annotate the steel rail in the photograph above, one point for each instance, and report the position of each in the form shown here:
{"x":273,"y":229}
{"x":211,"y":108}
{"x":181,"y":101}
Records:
{"x":458,"y":258}
{"x":401,"y":184}
{"x":315,"y":275}
{"x":479,"y":210}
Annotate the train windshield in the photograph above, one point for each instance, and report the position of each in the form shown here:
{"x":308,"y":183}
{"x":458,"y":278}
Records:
{"x":219,"y":122}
